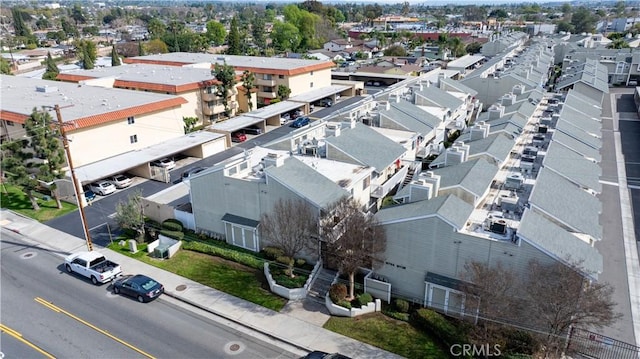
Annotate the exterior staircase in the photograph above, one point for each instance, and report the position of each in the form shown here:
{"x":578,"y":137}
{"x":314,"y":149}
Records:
{"x":321,"y":284}
{"x":409,"y":177}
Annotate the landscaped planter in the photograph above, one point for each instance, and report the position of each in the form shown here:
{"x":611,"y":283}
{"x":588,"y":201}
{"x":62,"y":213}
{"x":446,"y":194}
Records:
{"x":290,"y":293}
{"x":341,"y":311}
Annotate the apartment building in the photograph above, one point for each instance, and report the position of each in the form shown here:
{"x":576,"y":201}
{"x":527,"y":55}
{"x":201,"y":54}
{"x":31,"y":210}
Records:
{"x":503,"y":43}
{"x":196,"y":85}
{"x":590,"y":77}
{"x":299,"y":75}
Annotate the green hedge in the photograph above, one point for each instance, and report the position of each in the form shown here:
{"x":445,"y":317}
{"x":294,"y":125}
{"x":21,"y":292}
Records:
{"x":401,"y":305}
{"x":173,"y":225}
{"x":437,"y":325}
{"x":172,"y":234}
{"x":363,"y":299}
{"x":229,"y":254}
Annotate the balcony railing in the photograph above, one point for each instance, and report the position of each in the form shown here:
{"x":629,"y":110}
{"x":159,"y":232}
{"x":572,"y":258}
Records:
{"x":267,"y":94}
{"x":379,"y":191}
{"x":263,"y":82}
{"x":213,"y":110}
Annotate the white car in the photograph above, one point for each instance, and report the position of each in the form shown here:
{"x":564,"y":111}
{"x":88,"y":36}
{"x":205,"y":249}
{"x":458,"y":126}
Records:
{"x":121,"y":181}
{"x":102,"y":188}
{"x":167,"y":163}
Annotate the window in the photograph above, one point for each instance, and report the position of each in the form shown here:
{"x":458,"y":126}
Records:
{"x":266,"y":76}
{"x":280,"y":76}
{"x":131,"y":120}
{"x":366,"y":183}
{"x":133,"y":138}
{"x":311,"y":73}
{"x":210,"y":90}
{"x":311,"y":84}
{"x":268,"y":89}
{"x":9,"y":123}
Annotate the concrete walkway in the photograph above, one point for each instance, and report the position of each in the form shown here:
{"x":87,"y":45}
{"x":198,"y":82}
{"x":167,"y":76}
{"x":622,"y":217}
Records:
{"x":297,"y":327}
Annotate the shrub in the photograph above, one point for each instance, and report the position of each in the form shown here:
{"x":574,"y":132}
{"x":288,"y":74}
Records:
{"x":300,"y":262}
{"x":172,"y":234}
{"x":345,"y":304}
{"x":337,"y":292}
{"x":273,"y":252}
{"x":401,"y":305}
{"x":230,"y":254}
{"x":173,"y":225}
{"x":288,"y":261}
{"x":399,"y":316}
{"x":363,"y":299}
{"x":438,"y":326}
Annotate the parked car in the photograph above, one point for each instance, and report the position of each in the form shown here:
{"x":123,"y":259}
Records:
{"x":252,"y":130}
{"x":300,"y":122}
{"x":325,"y":102}
{"x":238,"y":136}
{"x":139,"y":286}
{"x":167,"y":163}
{"x":296,"y":113}
{"x":284,"y":118}
{"x":121,"y":181}
{"x":102,"y":188}
{"x":89,"y":195}
{"x":92,"y":265}
{"x":186,"y":175}
{"x":323,"y":355}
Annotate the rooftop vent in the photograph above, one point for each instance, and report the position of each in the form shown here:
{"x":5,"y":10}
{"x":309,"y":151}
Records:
{"x":479,"y":131}
{"x":333,"y":129}
{"x":495,"y":111}
{"x":46,"y":89}
{"x":273,"y":159}
{"x":513,"y":181}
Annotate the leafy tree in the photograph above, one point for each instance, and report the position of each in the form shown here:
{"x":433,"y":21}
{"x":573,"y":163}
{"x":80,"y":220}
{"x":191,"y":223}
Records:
{"x":290,"y":226}
{"x":87,"y":53}
{"x":283,"y":92}
{"x":620,"y":8}
{"x":20,"y":27}
{"x":16,"y":167}
{"x":43,"y":23}
{"x":354,"y":239}
{"x":91,"y":30}
{"x":583,"y":20}
{"x":457,"y":46}
{"x":305,"y":22}
{"x":615,"y":36}
{"x":234,"y":41}
{"x":68,"y":28}
{"x":258,"y":32}
{"x":474,"y":47}
{"x":189,"y":124}
{"x":499,"y":13}
{"x":285,"y":36}
{"x":52,"y":71}
{"x":115,"y":59}
{"x":226,"y":76}
{"x":564,"y":26}
{"x":395,"y":50}
{"x":155,"y":46}
{"x":5,"y":66}
{"x":141,"y":51}
{"x":249,"y":82}
{"x":130,"y":215}
{"x":216,"y":32}
{"x":156,"y":28}
{"x":372,"y":12}
{"x":618,"y":44}
{"x":566,"y":10}
{"x":59,"y":36}
{"x":44,"y":142}
{"x":77,"y":15}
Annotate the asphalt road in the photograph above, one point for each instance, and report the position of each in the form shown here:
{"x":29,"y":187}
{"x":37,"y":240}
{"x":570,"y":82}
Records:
{"x":65,"y":316}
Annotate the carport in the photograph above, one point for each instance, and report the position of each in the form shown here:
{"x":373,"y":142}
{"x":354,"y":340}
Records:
{"x":226,"y":128}
{"x":310,"y":97}
{"x":271,"y":114}
{"x":199,"y":144}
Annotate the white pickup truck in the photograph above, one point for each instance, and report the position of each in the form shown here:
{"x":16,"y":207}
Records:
{"x":92,"y":265}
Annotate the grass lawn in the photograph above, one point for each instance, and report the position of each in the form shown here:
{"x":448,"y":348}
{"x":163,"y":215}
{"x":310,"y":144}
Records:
{"x":17,"y":201}
{"x":389,"y":334}
{"x":215,"y":272}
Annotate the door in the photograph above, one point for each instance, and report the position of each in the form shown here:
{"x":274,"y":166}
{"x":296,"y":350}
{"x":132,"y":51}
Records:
{"x":80,"y":266}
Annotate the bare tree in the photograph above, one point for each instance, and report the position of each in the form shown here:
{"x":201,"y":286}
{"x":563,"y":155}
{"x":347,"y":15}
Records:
{"x":559,"y":297}
{"x":130,"y":215}
{"x":290,"y":226}
{"x":354,"y":238}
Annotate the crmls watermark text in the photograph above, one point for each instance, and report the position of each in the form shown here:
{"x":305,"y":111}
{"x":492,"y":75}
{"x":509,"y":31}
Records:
{"x":475,"y":350}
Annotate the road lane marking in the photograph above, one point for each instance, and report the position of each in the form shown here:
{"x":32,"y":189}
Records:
{"x":19,"y":337}
{"x":101,"y":331}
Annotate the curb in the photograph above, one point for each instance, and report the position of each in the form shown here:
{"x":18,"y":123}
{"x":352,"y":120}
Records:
{"x":201,"y":307}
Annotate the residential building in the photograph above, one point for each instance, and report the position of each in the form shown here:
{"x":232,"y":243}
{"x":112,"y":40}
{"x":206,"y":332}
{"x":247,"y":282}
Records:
{"x":298,"y":75}
{"x":590,"y":77}
{"x":503,"y":43}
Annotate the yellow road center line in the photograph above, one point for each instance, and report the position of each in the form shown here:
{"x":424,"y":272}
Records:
{"x":19,"y":337}
{"x":101,"y":331}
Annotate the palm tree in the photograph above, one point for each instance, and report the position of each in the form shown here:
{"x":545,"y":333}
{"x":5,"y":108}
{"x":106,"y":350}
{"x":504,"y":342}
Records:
{"x":457,"y":46}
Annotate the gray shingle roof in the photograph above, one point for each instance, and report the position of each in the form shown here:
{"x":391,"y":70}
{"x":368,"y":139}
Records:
{"x":578,"y":133}
{"x":473,"y":175}
{"x":306,"y":182}
{"x":588,"y":124}
{"x":576,"y":145}
{"x":450,"y":208}
{"x":497,"y":145}
{"x":439,"y":97}
{"x":582,"y":103}
{"x":573,"y":166}
{"x":360,"y":142}
{"x":551,"y":238}
{"x":566,"y":203}
{"x":243,"y":221}
{"x":409,"y":117}
{"x":591,"y":73}
{"x":454,"y":85}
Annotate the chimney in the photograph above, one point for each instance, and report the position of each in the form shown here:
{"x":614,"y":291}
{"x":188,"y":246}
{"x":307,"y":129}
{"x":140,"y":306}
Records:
{"x":440,"y":83}
{"x":495,"y":111}
{"x":508,"y":99}
{"x":273,"y":159}
{"x":417,"y":86}
{"x":425,"y":187}
{"x":479,"y":131}
{"x":518,"y":89}
{"x":333,"y":129}
{"x":456,"y":154}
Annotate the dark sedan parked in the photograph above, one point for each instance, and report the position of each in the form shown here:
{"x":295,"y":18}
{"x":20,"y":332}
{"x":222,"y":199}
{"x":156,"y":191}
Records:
{"x":139,"y":286}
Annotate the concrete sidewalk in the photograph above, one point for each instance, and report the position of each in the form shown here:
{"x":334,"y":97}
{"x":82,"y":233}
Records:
{"x":297,"y":326}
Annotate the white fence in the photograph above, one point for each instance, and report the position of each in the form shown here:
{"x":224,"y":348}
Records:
{"x":291,"y":293}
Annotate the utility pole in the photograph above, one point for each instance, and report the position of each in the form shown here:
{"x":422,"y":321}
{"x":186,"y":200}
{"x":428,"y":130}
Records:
{"x":74,"y":179}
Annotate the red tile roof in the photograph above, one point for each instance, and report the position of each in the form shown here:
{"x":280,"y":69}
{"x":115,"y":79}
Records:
{"x":139,"y":85}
